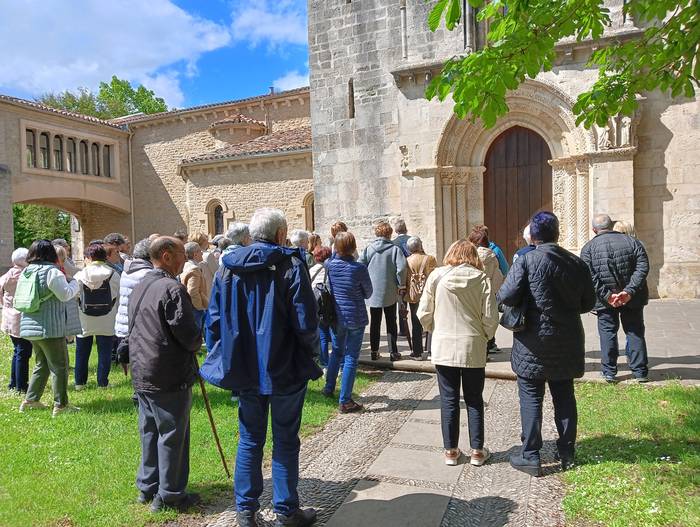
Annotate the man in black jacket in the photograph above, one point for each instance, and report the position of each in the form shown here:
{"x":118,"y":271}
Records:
{"x":619,"y":266}
{"x":163,"y":337}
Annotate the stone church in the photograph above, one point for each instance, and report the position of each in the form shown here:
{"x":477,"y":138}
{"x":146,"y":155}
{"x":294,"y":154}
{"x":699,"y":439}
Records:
{"x":363,"y":143}
{"x":381,"y":149}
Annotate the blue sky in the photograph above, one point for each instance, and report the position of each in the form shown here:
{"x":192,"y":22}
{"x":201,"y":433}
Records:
{"x":188,"y":51}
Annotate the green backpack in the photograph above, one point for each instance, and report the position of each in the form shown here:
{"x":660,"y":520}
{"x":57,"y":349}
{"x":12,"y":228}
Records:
{"x":27,"y":297}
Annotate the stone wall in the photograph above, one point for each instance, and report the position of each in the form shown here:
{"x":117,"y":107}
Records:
{"x":98,"y":202}
{"x":160,"y":144}
{"x":389,"y":158}
{"x":282,"y":183}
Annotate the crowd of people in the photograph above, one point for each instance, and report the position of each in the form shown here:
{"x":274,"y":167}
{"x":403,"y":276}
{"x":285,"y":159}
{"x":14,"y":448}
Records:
{"x":277,"y":309}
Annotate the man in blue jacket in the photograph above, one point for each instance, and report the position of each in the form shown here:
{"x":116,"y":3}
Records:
{"x":262,"y":335}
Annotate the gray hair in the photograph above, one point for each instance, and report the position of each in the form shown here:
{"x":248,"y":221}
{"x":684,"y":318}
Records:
{"x":237,"y":232}
{"x":265,"y":223}
{"x":60,"y":241}
{"x":298,"y":236}
{"x":115,"y":238}
{"x":414,"y":244}
{"x":526,"y":235}
{"x":602,"y":222}
{"x":19,"y":257}
{"x":191,"y":249}
{"x":142,"y":248}
{"x":400,"y":226}
{"x":223,"y":243}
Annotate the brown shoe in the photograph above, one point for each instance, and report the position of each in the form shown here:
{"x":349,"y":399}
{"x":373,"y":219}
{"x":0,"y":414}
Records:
{"x":350,"y":407}
{"x":452,"y":456}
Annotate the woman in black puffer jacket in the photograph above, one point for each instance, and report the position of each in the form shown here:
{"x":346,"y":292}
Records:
{"x":557,"y":287}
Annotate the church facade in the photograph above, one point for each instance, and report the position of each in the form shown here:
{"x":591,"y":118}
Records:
{"x":380,"y":149}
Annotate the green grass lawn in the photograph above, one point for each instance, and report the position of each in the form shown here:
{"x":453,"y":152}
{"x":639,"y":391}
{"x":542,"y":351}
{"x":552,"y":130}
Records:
{"x":79,"y":469}
{"x":639,"y":457}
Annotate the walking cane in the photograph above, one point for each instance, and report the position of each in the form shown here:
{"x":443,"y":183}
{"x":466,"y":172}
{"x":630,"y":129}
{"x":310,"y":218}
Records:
{"x":211,"y":420}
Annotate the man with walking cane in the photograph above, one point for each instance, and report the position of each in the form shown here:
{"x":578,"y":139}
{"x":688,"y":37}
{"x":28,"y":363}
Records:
{"x":163,"y":339}
{"x":262,"y":336}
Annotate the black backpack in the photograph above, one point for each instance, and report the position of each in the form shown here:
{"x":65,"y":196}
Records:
{"x":324,"y":299}
{"x":97,"y":302}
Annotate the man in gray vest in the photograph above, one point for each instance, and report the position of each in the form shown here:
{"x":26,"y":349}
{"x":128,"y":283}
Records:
{"x":163,"y":338}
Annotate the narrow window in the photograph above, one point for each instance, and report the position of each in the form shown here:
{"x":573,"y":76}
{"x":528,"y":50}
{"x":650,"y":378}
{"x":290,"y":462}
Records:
{"x":44,"y":150}
{"x":95,"y":158}
{"x":57,"y":153}
{"x":106,"y":161}
{"x":31,"y":149}
{"x":83,"y":157}
{"x":351,"y":99}
{"x":71,"y":151}
{"x":218,"y":220}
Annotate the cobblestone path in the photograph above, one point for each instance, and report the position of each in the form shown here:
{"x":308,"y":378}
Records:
{"x":385,"y":465}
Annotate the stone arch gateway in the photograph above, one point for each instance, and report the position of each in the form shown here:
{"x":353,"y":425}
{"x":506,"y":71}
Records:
{"x":461,"y":157}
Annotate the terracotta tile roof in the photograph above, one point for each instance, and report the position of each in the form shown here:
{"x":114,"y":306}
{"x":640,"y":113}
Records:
{"x":42,"y":107}
{"x":162,"y":115}
{"x":285,"y":141}
{"x":235,"y":119}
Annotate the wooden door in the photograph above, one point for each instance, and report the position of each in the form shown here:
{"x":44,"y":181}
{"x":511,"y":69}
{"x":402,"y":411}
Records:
{"x":517,"y":183}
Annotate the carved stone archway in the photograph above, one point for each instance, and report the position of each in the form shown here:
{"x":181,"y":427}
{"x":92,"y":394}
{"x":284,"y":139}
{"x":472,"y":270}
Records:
{"x":461,"y":154}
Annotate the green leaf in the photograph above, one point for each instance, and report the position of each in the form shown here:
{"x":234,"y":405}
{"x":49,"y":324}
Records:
{"x":435,"y":14}
{"x":453,"y":15}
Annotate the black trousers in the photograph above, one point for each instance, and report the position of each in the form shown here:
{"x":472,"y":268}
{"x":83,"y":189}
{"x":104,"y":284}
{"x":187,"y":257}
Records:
{"x":531,"y":393}
{"x":472,"y":382}
{"x":164,"y":426}
{"x":375,"y":324}
{"x":417,"y":329}
{"x":636,"y":348}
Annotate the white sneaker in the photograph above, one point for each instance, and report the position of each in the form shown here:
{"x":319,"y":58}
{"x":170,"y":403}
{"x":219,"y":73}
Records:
{"x":31,"y":405}
{"x":452,"y":456}
{"x":80,"y":387}
{"x":67,"y":409}
{"x":479,"y":457}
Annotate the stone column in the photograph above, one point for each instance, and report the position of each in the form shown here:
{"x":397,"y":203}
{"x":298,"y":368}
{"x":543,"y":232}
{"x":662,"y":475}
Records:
{"x":6,"y":224}
{"x":404,"y":29}
{"x":582,"y":218}
{"x":564,"y":200}
{"x":51,"y":160}
{"x":100,"y":158}
{"x":88,"y":158}
{"x":470,"y":29}
{"x":64,"y":152}
{"x":462,"y":203}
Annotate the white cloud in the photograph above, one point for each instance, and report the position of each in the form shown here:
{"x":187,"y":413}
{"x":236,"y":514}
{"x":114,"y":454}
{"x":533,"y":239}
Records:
{"x":50,"y":47}
{"x":290,"y":80}
{"x":272,"y":22}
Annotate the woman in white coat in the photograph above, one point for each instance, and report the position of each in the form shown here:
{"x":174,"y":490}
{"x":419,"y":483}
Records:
{"x":99,"y":292}
{"x":459,"y":307}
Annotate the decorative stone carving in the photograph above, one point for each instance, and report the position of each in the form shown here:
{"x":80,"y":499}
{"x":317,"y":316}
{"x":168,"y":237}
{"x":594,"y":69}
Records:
{"x":404,"y":157}
{"x":618,"y":133}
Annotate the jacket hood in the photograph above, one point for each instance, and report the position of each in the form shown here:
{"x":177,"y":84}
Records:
{"x":381,"y":244}
{"x":258,"y":256}
{"x":461,"y":277}
{"x":94,"y":274}
{"x":136,"y":264}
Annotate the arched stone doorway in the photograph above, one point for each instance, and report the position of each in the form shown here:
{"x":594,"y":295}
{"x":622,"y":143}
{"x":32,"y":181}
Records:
{"x":461,"y":159}
{"x":517,"y":182}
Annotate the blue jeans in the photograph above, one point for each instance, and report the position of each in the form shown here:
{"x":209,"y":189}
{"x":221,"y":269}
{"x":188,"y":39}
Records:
{"x":19,"y":371}
{"x":324,"y":334}
{"x":83,"y":347}
{"x":636,"y":348}
{"x":347,"y":343}
{"x":253,"y":410}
